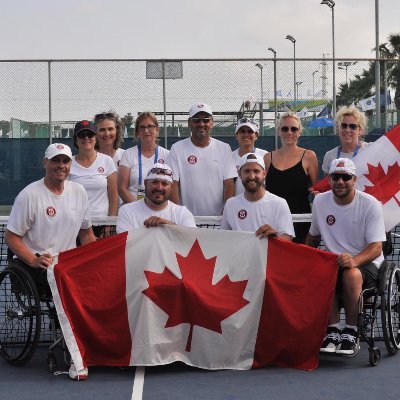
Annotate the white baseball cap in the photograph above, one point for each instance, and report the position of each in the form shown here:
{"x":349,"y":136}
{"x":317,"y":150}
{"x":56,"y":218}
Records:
{"x":57,"y":148}
{"x":161,"y":172}
{"x":251,"y":158}
{"x":199,"y":107}
{"x":247,"y":122}
{"x":342,"y":165}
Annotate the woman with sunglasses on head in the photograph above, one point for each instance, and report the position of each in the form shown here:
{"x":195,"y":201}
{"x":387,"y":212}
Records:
{"x":246,"y":135}
{"x":109,"y":135}
{"x":351,"y":124}
{"x":291,"y":170}
{"x":138,"y":160}
{"x":97,"y":173}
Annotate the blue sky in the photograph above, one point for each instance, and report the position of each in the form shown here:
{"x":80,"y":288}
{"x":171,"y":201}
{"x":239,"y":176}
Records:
{"x":43,"y":29}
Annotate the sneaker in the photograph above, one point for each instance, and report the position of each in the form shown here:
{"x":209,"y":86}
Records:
{"x":75,"y":375}
{"x":349,"y":344}
{"x":331,"y":340}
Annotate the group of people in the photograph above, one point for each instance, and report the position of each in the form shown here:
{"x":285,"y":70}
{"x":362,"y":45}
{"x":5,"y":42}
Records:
{"x":252,"y":189}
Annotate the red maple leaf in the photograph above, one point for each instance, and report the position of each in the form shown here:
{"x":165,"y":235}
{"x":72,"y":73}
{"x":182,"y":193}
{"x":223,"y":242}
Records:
{"x":385,"y":186}
{"x":194,"y":299}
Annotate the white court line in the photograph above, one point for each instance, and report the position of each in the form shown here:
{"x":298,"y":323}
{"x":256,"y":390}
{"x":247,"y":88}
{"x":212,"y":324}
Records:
{"x":137,"y":392}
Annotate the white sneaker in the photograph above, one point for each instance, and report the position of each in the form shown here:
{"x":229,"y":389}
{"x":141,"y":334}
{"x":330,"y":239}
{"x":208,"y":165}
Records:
{"x":75,"y":375}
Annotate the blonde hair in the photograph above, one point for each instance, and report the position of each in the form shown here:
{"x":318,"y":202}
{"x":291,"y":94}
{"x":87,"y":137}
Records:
{"x":352,"y":111}
{"x":290,"y":114}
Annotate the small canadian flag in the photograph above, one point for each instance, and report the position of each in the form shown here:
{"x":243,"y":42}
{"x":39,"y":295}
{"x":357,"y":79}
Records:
{"x":378,"y":173}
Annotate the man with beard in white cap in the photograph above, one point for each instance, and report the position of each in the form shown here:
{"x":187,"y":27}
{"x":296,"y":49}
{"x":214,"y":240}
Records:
{"x":257,"y":210}
{"x":156,"y":208}
{"x":203,"y":167}
{"x":351,"y":224}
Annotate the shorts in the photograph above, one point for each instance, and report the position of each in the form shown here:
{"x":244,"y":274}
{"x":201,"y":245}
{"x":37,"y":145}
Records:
{"x":369,"y":273}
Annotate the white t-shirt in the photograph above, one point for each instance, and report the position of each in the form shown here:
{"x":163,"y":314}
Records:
{"x":118,"y":156}
{"x":47,"y":221}
{"x":94,"y":180}
{"x":243,"y":215}
{"x":130,"y":159}
{"x":201,"y":172}
{"x":348,"y":228}
{"x":133,"y":215}
{"x":333,"y":155}
{"x":239,"y":188}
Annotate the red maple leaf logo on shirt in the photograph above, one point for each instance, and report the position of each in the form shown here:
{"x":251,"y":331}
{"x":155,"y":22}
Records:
{"x":194,"y":299}
{"x":385,"y":185}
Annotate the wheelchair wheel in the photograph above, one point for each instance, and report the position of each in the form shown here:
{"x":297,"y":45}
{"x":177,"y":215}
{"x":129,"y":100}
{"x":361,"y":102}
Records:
{"x":391,"y":316}
{"x":20,"y":315}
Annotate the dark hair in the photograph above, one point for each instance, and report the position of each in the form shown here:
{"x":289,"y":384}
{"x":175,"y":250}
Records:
{"x":119,"y":126}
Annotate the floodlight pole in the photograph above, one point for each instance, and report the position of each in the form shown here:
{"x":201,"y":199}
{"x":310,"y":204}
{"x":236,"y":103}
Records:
{"x":165,"y":105}
{"x":313,"y":84}
{"x":331,"y":5}
{"x":293,"y":40}
{"x":262,"y":99}
{"x":275,"y":99}
{"x":50,"y":119}
{"x":377,"y":69}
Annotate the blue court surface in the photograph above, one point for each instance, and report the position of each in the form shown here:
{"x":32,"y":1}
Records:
{"x":336,"y":378}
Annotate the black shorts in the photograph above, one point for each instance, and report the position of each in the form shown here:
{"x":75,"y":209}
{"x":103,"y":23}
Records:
{"x":369,"y":273}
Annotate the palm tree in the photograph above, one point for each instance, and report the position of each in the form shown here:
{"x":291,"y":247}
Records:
{"x":392,"y":50}
{"x":363,"y":85}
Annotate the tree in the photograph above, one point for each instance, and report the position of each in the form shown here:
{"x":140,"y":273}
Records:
{"x":392,"y":50}
{"x":127,"y":119}
{"x":363,"y":85}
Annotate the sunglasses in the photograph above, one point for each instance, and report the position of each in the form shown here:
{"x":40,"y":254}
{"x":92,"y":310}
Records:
{"x":143,"y":128}
{"x":247,"y":120}
{"x":293,"y":129}
{"x":353,"y":127}
{"x":242,"y":130}
{"x":205,"y":120}
{"x":344,"y":177}
{"x":163,"y":171}
{"x":83,"y":134}
{"x":104,"y":115}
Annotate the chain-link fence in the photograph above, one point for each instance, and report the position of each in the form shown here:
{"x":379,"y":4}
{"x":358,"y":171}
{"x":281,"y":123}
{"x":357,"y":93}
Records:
{"x":37,"y":94}
{"x":39,"y":97}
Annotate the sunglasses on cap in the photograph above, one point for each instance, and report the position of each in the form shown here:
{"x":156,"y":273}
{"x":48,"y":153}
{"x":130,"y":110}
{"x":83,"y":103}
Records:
{"x":163,"y":171}
{"x":205,"y":120}
{"x":83,"y":134}
{"x":247,"y":120}
{"x":353,"y":127}
{"x":345,"y":177}
{"x":292,"y":129}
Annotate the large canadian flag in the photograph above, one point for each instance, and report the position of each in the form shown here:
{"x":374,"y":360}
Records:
{"x":378,"y":173}
{"x":211,"y":299}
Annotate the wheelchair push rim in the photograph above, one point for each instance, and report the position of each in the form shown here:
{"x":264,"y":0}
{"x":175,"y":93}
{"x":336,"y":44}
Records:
{"x":20,"y":316}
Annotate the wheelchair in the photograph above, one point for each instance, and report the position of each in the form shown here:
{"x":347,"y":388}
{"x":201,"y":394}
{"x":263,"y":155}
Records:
{"x":26,"y":312}
{"x":379,"y":313}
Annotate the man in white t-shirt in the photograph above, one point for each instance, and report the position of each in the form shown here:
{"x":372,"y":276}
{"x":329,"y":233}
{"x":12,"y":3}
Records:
{"x":46,"y":218}
{"x":351,"y":224}
{"x":203,"y":167}
{"x":257,"y":210}
{"x":156,"y":208}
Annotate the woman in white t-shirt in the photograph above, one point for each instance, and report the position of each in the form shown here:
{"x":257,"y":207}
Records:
{"x":97,"y":173}
{"x":138,"y":160}
{"x":109,"y":135}
{"x":351,"y":124}
{"x":246,"y":134}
